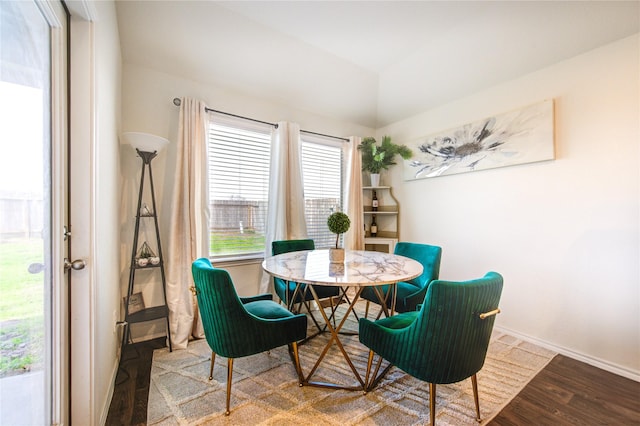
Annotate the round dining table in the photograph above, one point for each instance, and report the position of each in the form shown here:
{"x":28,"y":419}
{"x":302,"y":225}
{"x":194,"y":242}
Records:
{"x":359,"y":270}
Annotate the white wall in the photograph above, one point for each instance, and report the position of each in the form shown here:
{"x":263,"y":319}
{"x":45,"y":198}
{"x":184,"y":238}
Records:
{"x":564,"y":233}
{"x":107,"y":201}
{"x":95,"y":71}
{"x":147,"y":106}
{"x":95,"y":85}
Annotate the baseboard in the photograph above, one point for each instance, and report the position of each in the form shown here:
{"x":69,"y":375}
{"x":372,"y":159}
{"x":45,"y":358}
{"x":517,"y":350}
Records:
{"x":104,"y":413}
{"x":587,"y":359}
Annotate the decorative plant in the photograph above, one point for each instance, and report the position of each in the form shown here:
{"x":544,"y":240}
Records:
{"x":338,"y":223}
{"x":145,"y":251}
{"x":378,"y":157}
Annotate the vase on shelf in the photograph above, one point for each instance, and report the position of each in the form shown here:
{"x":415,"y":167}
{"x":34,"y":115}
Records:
{"x":375,"y":179}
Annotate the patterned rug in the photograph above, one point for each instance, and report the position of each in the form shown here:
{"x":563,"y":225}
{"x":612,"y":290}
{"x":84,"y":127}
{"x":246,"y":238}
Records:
{"x":265,"y":389}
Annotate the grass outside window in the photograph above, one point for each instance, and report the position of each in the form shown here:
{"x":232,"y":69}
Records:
{"x":21,"y":307}
{"x":236,"y":243}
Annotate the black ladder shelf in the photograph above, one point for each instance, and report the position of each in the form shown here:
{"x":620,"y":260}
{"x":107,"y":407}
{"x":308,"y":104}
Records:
{"x":154,"y":312}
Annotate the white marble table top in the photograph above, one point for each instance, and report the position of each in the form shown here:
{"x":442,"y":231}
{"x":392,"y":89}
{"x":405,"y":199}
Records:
{"x":360,"y":268}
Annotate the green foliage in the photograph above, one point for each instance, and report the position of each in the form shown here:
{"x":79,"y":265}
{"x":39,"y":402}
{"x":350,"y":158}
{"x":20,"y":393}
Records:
{"x":22,"y":293}
{"x":21,"y":346}
{"x":21,"y":307}
{"x":338,"y":223}
{"x":378,"y":157}
{"x":235,"y":243}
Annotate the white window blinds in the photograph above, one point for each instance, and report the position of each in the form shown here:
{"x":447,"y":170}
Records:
{"x":322,"y":166}
{"x":239,"y":157}
{"x":238,"y":188}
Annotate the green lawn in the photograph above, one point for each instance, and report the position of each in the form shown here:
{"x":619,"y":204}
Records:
{"x":236,"y":243}
{"x":21,"y":307}
{"x":21,"y":293}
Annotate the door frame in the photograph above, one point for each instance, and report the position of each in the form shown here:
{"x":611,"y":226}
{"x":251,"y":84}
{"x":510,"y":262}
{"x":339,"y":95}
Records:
{"x":82,"y":136}
{"x":94,"y":160}
{"x":57,"y":400}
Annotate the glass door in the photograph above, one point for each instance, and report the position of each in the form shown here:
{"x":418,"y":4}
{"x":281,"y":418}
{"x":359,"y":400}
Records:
{"x":33,"y":146}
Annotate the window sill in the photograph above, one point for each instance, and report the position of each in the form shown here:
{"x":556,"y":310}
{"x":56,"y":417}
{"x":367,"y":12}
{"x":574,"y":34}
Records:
{"x":224,"y":261}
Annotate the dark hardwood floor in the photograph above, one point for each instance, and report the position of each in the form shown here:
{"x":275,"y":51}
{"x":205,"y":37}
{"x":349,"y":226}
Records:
{"x":566,"y":392}
{"x":129,"y":402}
{"x":570,"y":392}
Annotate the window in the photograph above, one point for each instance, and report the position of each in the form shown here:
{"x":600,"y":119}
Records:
{"x":322,"y":165}
{"x":239,"y":155}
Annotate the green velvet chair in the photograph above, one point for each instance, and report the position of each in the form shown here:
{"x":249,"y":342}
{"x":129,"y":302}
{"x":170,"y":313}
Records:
{"x":237,"y":327}
{"x":445,"y":341}
{"x":286,"y":290}
{"x":410,"y":293}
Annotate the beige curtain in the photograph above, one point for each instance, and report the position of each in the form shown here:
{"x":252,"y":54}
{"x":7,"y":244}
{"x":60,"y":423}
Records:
{"x":285,"y":212}
{"x":189,"y":218}
{"x":354,"y":238}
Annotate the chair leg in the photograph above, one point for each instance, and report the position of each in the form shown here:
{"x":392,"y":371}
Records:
{"x":229,"y":377}
{"x":432,"y":404}
{"x":287,"y":303}
{"x":213,"y":360}
{"x":366,"y":377}
{"x":380,"y":312}
{"x":474,"y":383}
{"x":366,"y":310}
{"x":296,"y":359}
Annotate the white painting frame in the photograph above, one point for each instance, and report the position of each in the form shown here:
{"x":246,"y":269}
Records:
{"x":522,"y":136}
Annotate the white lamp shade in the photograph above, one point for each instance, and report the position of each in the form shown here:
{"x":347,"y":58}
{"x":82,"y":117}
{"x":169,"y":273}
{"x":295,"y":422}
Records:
{"x":144,"y":142}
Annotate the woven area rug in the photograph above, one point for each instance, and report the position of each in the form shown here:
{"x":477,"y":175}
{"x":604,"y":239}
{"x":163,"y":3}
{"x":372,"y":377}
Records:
{"x":265,"y":389}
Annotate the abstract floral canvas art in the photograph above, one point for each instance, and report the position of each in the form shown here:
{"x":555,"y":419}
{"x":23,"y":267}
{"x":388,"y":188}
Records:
{"x":517,"y":137}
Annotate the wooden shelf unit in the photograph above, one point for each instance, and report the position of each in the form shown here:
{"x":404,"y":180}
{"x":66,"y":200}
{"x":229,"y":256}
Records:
{"x":386,"y":218}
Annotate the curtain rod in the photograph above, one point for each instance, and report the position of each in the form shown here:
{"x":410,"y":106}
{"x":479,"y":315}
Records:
{"x":177,"y":102}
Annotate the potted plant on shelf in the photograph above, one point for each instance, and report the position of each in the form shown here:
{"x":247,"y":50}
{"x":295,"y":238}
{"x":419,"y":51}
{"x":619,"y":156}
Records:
{"x":146,"y":256}
{"x":379,"y":157}
{"x":338,"y":223}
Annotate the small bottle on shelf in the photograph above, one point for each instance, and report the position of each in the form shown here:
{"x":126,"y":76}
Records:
{"x":374,"y":202}
{"x":374,"y":227}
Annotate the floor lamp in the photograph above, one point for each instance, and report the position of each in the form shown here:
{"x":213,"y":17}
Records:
{"x":147,"y":146}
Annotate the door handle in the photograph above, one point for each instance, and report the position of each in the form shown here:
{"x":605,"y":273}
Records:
{"x":76,"y":265}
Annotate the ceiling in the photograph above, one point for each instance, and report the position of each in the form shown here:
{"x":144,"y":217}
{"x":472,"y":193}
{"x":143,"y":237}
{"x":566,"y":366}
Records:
{"x":365,"y":62}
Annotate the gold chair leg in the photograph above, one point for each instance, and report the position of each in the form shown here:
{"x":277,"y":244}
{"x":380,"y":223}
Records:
{"x":366,"y":377}
{"x":366,"y":310}
{"x":296,"y":358}
{"x":432,"y":404}
{"x":213,"y":360}
{"x":474,"y":383}
{"x":229,"y":377}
